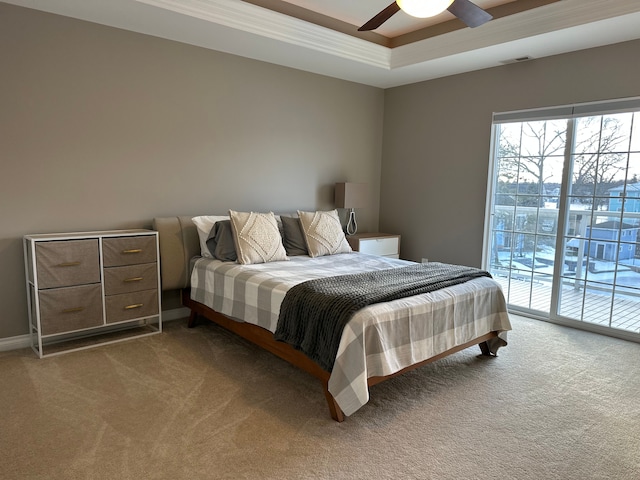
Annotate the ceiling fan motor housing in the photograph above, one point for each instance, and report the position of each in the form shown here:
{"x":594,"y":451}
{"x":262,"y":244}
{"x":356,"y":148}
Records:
{"x":423,"y":8}
{"x":468,"y":12}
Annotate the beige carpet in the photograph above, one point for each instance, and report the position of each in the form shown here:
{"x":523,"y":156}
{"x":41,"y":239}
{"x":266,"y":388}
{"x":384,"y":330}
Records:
{"x":202,"y":404}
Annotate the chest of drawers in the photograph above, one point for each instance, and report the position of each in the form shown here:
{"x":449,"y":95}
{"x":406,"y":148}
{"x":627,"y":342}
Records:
{"x":91,"y":284}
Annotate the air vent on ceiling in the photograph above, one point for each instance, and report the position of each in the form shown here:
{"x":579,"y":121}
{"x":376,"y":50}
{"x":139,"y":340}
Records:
{"x":517,"y":60}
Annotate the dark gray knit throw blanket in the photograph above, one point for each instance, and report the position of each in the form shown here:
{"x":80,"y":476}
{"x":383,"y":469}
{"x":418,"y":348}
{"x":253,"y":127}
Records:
{"x":313,"y":314}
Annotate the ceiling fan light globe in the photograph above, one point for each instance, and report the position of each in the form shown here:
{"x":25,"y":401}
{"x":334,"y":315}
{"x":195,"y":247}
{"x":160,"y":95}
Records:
{"x":423,"y":8}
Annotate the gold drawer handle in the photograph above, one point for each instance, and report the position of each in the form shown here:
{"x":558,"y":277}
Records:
{"x":134,"y":279}
{"x":132,"y":250}
{"x":135,"y":305}
{"x":73,"y":310}
{"x":68,"y":264}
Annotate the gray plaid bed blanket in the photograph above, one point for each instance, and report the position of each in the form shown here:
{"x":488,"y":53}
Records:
{"x":380,"y":339}
{"x":313,"y":314}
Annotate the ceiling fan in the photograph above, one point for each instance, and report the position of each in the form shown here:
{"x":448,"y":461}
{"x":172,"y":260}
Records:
{"x":469,"y":13}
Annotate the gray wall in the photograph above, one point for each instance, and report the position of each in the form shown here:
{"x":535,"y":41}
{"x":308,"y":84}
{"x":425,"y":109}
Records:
{"x":437,"y":141}
{"x":103,"y":129}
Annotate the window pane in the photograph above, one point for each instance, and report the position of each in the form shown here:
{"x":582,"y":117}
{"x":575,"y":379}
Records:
{"x":529,"y":174}
{"x":583,"y":176}
{"x":520,"y":289}
{"x":635,"y":134}
{"x":552,"y":181}
{"x":633,"y":169}
{"x":532,"y":140}
{"x":597,"y":304}
{"x":575,"y":247}
{"x":605,"y":253}
{"x":507,"y":171}
{"x":509,"y":140}
{"x":555,"y":138}
{"x":605,"y":225}
{"x":548,"y":222}
{"x":541,"y":293}
{"x":571,"y":299}
{"x":611,"y":171}
{"x":627,"y":275}
{"x":526,"y":219}
{"x":503,"y":217}
{"x":631,"y":218}
{"x":625,"y":308}
{"x":587,"y":136}
{"x":544,"y":254}
{"x":616,"y":132}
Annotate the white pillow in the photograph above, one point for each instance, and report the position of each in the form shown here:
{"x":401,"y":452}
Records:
{"x":204,"y":224}
{"x":323,"y":233}
{"x":257,"y":237}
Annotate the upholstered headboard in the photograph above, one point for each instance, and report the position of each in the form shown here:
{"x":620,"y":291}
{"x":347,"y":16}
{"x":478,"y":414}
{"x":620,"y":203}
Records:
{"x":178,"y":244}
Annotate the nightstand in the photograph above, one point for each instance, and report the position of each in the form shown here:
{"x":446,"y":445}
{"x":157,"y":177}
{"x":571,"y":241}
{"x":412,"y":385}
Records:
{"x":89,"y":284}
{"x":383,"y":244}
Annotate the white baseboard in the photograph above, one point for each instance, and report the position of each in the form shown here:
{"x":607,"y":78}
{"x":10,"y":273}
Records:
{"x":14,"y":343}
{"x":24,"y":341}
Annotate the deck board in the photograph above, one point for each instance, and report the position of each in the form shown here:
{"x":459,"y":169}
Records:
{"x":536,"y":295}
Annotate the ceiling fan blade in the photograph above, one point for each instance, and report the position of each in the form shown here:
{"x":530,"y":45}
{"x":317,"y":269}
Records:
{"x":469,"y":13}
{"x":380,"y":18}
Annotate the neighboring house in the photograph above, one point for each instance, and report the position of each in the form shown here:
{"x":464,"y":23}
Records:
{"x":603,"y":237}
{"x":631,"y":198}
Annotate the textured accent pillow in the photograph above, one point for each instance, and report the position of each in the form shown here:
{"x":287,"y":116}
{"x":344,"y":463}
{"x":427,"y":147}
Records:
{"x":204,"y":224}
{"x":257,"y":237}
{"x":292,"y":236}
{"x":220,"y":242}
{"x":323,"y":233}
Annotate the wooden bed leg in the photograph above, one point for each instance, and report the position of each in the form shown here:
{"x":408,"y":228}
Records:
{"x":334,"y":409}
{"x":484,"y":348}
{"x":192,"y":319}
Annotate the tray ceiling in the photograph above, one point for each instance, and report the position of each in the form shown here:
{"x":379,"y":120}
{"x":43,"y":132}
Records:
{"x":321,"y":36}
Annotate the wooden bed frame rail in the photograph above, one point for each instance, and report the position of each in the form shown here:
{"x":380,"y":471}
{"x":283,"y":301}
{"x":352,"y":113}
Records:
{"x":264,"y":338}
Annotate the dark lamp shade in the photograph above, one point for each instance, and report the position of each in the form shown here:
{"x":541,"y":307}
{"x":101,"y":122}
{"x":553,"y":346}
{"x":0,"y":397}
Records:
{"x":351,"y":195}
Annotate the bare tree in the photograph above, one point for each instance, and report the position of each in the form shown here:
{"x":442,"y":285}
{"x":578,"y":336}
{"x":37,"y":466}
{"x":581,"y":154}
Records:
{"x":599,"y":159}
{"x":600,"y":155}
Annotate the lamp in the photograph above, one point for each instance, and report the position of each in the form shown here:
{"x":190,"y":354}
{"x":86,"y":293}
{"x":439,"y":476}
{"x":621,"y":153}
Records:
{"x":423,"y":8}
{"x":351,"y":196}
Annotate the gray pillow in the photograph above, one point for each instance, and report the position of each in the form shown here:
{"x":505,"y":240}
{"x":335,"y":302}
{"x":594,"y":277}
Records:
{"x":292,"y":236}
{"x":220,"y":241}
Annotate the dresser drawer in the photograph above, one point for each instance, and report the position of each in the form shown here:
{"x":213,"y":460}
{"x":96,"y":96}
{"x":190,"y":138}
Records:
{"x":129,"y":250}
{"x":380,"y":246}
{"x":70,"y":308}
{"x":130,"y":278}
{"x":63,"y":263}
{"x":128,"y":306}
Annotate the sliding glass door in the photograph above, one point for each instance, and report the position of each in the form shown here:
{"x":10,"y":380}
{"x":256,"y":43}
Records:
{"x":563,"y":230}
{"x":529,"y":163}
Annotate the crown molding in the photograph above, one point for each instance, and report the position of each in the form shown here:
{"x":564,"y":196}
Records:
{"x":528,"y":24}
{"x":263,"y":22}
{"x":260,"y":21}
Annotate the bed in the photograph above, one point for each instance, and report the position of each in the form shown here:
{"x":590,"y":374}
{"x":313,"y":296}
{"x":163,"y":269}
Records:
{"x":379,"y":341}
